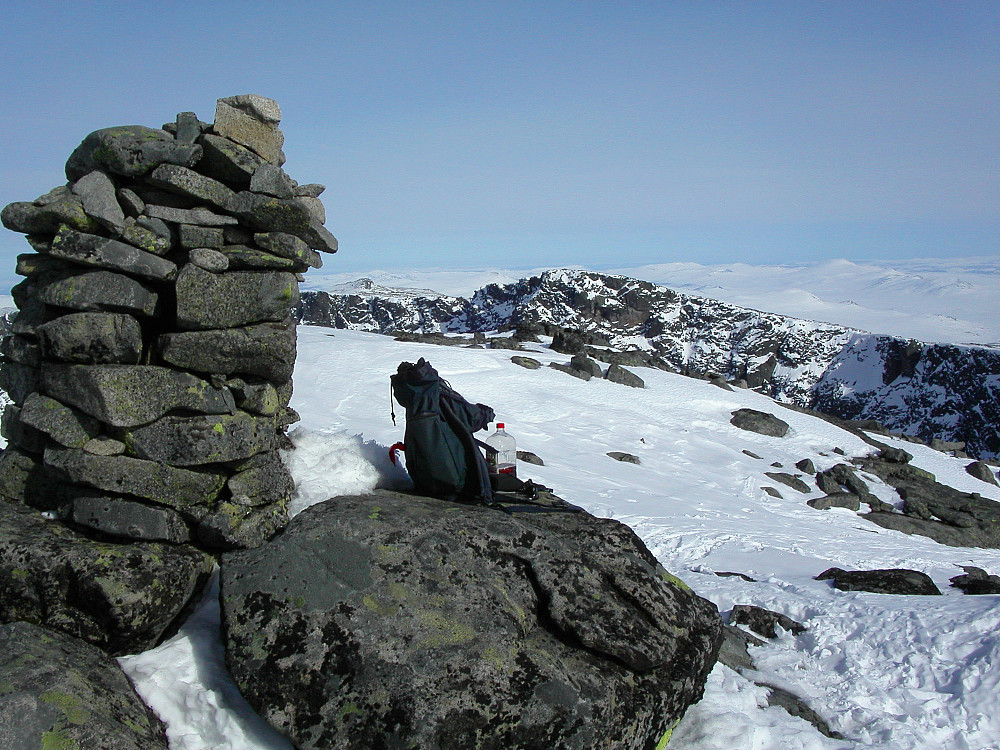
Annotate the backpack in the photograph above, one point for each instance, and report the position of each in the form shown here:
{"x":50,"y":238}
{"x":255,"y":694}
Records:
{"x":442,"y":457}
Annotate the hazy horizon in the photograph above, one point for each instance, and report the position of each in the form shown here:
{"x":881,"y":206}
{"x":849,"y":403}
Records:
{"x":524,"y":134}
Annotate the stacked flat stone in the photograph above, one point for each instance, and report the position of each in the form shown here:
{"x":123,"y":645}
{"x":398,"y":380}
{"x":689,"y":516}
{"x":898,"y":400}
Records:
{"x":151,"y":359}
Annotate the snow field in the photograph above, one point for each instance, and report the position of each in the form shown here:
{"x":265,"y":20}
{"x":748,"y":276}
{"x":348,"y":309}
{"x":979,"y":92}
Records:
{"x":893,"y":672}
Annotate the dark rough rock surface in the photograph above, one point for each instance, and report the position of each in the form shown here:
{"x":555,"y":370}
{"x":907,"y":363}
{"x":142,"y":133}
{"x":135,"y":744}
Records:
{"x":788,"y":479}
{"x":161,"y":483}
{"x":795,"y":706}
{"x":198,"y":440}
{"x":764,"y":622}
{"x":976,"y":581}
{"x":842,"y":478}
{"x":570,"y":370}
{"x":618,"y":374}
{"x":734,"y":652}
{"x":207,"y":300}
{"x":624,"y":457}
{"x":529,"y":363}
{"x":935,"y":510}
{"x":982,"y":471}
{"x":583,"y":363}
{"x":145,"y":307}
{"x":59,"y":693}
{"x":129,"y":151}
{"x":131,"y":395}
{"x":121,"y":598}
{"x":529,"y":458}
{"x":389,"y":620}
{"x":836,"y":500}
{"x":893,"y":581}
{"x":91,"y":339}
{"x":760,"y":422}
{"x":806,"y":466}
{"x":128,"y":519}
{"x":505,"y":342}
{"x":265,"y":349}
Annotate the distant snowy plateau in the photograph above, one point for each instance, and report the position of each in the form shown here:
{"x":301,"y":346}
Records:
{"x":894,"y":353}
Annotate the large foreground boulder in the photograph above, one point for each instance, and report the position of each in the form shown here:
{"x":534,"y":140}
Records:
{"x":388,"y":621}
{"x":59,"y":692}
{"x":120,"y":597}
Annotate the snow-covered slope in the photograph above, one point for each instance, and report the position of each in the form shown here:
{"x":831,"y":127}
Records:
{"x":939,"y":391}
{"x":888,"y":672}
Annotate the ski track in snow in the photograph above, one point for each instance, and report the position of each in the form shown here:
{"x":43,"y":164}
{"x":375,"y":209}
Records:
{"x":897,"y":672}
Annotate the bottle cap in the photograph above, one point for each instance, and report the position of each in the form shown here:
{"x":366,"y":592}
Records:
{"x":499,"y":425}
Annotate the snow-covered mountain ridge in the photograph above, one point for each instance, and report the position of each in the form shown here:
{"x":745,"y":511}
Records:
{"x":945,"y":391}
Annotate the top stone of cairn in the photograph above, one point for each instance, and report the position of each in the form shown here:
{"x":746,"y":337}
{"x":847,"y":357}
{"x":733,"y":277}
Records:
{"x":252,"y":121}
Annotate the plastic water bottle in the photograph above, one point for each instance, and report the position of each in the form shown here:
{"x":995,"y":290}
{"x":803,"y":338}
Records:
{"x":504,"y":461}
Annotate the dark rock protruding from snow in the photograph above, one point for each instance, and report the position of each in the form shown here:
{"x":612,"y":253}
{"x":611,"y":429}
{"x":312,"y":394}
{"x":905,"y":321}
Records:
{"x":627,"y":458}
{"x":391,"y":620}
{"x":892,"y":581}
{"x":156,"y":317}
{"x":976,"y":581}
{"x":791,"y":480}
{"x":836,"y":500}
{"x":528,"y":363}
{"x":529,"y":458}
{"x":981,"y":470}
{"x":932,"y":509}
{"x":59,"y":692}
{"x":764,"y":622}
{"x":618,"y":374}
{"x":760,"y":422}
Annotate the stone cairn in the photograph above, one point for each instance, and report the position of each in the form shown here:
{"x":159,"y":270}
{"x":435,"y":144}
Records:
{"x":151,"y":358}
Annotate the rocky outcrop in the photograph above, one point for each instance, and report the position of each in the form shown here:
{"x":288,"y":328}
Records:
{"x":391,"y":620}
{"x":976,"y":581}
{"x":150,"y":362}
{"x":933,"y":391}
{"x":932,"y":509}
{"x":59,"y":692}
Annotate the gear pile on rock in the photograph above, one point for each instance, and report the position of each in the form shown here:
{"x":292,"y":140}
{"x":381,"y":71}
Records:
{"x":151,"y":358}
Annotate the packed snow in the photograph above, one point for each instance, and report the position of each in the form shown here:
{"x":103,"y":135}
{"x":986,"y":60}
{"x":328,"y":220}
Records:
{"x":895,"y":672}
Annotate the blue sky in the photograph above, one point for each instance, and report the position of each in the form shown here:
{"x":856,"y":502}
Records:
{"x":526,"y":134}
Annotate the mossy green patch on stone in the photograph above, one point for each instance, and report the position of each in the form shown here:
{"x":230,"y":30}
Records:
{"x":492,"y":657}
{"x":381,"y":609}
{"x":20,"y":574}
{"x":70,"y":705}
{"x":350,"y":708}
{"x":57,"y":739}
{"x":667,"y":735}
{"x":443,"y":632}
{"x":671,"y":578}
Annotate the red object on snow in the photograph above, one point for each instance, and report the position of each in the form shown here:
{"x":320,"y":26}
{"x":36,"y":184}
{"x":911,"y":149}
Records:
{"x":393,"y":449}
